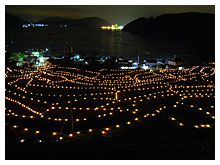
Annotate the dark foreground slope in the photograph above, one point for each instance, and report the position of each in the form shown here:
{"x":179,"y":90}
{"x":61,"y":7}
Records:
{"x":137,"y":144}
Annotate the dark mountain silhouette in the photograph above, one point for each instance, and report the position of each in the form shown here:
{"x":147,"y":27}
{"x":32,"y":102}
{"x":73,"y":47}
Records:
{"x":197,"y":28}
{"x":51,"y":19}
{"x":13,"y":21}
{"x":93,"y":22}
{"x":172,"y":24}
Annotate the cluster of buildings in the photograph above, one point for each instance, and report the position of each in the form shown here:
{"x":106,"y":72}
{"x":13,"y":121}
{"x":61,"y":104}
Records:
{"x":42,"y":57}
{"x":29,"y":58}
{"x":33,"y":25}
{"x":150,"y":63}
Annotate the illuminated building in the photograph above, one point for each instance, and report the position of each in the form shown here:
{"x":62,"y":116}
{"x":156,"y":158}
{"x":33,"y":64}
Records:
{"x":150,"y":62}
{"x":113,"y":27}
{"x":175,"y":62}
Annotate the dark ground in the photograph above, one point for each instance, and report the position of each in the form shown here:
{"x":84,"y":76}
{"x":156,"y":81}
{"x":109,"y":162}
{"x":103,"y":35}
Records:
{"x":135,"y":143}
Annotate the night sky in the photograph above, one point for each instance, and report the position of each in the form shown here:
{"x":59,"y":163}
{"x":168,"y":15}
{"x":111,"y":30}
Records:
{"x":120,"y":14}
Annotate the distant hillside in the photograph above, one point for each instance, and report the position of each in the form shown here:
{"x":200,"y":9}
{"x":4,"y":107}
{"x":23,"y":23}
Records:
{"x":93,"y":22}
{"x":197,"y":28}
{"x":13,"y":21}
{"x":172,"y":24}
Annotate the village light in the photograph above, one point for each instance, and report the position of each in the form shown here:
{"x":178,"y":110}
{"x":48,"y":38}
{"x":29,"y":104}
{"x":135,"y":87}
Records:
{"x":208,"y":126}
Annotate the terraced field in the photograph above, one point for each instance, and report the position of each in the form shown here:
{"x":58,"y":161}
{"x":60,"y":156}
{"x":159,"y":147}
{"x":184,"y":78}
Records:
{"x":110,"y":114}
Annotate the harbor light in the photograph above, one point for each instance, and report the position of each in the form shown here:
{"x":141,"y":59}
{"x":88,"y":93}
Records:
{"x":112,"y":27}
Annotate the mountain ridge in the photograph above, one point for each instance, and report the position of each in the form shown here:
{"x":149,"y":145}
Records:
{"x":196,"y":29}
{"x":182,"y":23}
{"x":93,"y":22}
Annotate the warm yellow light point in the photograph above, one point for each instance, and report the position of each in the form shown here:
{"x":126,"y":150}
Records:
{"x":208,"y":126}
